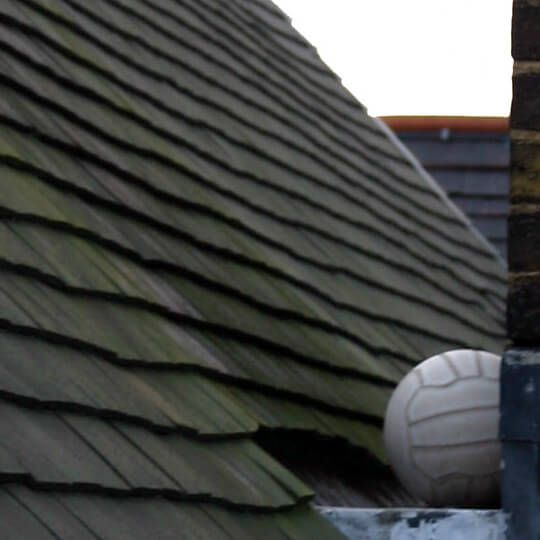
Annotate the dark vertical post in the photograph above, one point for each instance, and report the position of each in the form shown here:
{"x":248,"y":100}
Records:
{"x":520,"y":375}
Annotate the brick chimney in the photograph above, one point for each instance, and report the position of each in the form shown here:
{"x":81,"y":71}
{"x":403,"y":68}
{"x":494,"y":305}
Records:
{"x":524,"y":220}
{"x":520,"y":375}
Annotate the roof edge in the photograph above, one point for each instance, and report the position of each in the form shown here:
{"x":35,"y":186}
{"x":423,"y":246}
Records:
{"x":438,"y":189}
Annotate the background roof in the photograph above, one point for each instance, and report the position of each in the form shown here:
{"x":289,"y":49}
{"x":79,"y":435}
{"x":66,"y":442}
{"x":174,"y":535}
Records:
{"x":470,"y":158}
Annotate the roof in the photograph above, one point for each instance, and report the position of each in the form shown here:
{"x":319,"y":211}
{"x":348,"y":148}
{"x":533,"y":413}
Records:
{"x":470,"y":158}
{"x":204,"y":238}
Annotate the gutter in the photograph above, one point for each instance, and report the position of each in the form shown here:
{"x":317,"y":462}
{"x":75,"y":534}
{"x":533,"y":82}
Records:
{"x":462,"y":124}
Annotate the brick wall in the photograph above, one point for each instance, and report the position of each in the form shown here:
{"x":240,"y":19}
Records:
{"x":524,"y":219}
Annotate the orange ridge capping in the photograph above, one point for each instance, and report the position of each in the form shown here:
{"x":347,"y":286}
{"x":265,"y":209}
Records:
{"x":466,"y":124}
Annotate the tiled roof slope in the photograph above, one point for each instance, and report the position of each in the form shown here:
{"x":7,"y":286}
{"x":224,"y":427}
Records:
{"x":202,"y":235}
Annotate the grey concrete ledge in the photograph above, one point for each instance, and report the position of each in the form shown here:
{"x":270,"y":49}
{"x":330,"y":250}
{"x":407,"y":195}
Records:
{"x":417,"y":524}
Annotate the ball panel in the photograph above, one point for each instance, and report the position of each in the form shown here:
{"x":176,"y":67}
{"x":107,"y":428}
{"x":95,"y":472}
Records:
{"x":438,"y":373}
{"x":478,"y":459}
{"x":454,"y":428}
{"x":461,"y":395}
{"x":396,"y":435}
{"x":489,"y":364}
{"x":463,"y":363}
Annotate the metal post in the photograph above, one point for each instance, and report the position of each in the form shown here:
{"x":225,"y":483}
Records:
{"x":520,"y":436}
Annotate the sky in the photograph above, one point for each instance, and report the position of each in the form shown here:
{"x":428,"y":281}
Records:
{"x":414,"y":57}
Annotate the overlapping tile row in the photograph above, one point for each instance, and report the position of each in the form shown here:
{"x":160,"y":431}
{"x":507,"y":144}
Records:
{"x":266,"y":224}
{"x":35,"y":514}
{"x":65,"y":449}
{"x":19,"y":187}
{"x":431,"y":204}
{"x":203,"y":236}
{"x":39,"y":372}
{"x":277,"y":30}
{"x":361,"y":243}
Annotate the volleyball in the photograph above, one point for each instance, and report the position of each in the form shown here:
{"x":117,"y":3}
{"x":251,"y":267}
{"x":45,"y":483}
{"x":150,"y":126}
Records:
{"x":441,"y":429}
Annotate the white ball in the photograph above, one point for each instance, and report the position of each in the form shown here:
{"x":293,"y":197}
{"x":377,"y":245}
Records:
{"x":441,"y":429}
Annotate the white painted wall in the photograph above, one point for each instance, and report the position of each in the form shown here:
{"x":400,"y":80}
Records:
{"x":411,"y":524}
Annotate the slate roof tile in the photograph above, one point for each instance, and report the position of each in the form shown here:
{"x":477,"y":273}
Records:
{"x":64,"y":449}
{"x":108,"y":518}
{"x":204,"y":238}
